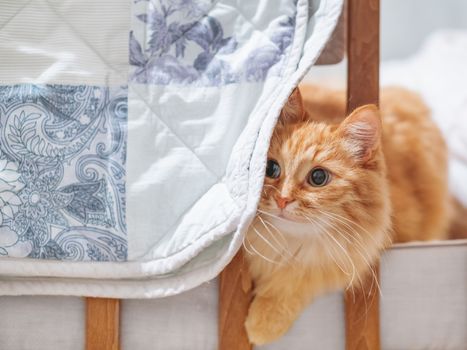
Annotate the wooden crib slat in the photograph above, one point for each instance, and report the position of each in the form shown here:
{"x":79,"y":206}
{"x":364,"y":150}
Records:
{"x":362,"y":316}
{"x":362,"y":311}
{"x":234,"y":300}
{"x":362,"y":53}
{"x":102,"y":324}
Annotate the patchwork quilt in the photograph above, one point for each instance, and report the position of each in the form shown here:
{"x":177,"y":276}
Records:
{"x":133,"y":135}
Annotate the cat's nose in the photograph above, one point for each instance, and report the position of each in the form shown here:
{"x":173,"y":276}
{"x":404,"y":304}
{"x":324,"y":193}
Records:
{"x":283,"y":201}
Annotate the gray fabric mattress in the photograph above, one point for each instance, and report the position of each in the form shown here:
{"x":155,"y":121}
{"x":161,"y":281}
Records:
{"x":423,"y":306}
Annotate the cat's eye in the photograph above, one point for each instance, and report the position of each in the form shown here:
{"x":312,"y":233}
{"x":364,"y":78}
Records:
{"x":318,"y":177}
{"x":273,"y":169}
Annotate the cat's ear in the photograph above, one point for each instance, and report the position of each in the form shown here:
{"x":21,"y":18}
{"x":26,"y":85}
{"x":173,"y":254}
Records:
{"x":361,"y":132}
{"x":293,"y":111}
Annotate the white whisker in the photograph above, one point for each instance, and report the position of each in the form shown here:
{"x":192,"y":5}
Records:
{"x":353,"y":223}
{"x":269,"y":243}
{"x":272,"y":215}
{"x":349,"y":285}
{"x":244,"y":245}
{"x":343,"y":250}
{"x":266,"y":224}
{"x":360,"y":252}
{"x":259,"y":254}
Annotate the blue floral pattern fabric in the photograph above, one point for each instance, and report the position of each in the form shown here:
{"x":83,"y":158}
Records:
{"x":183,"y":43}
{"x":62,"y":172}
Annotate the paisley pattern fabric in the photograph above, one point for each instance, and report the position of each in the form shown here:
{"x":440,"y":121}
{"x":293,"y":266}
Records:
{"x":184,"y":43}
{"x":62,"y":172}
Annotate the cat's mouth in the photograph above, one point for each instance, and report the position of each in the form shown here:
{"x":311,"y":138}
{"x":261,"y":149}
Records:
{"x":284,"y":215}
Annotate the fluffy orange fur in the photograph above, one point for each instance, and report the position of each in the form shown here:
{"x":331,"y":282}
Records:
{"x":387,"y":182}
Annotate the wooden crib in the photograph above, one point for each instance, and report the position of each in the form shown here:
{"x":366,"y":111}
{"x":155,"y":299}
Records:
{"x":359,"y":29}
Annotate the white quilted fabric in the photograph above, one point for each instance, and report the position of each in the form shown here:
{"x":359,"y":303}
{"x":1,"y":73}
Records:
{"x":133,"y":135}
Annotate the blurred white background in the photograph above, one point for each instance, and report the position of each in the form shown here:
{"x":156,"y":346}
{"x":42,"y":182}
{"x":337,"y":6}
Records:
{"x":424,"y":48}
{"x":405,"y":24}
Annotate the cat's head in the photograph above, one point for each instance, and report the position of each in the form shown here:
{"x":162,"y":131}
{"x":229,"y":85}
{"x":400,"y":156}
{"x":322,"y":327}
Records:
{"x":323,"y":174}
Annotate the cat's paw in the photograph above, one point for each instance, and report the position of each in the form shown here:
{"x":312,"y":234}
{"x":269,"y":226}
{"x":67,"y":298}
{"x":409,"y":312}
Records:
{"x":266,"y":321}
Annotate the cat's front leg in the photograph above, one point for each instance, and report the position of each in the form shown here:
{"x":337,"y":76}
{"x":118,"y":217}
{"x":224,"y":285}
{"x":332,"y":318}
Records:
{"x":279,"y":300}
{"x":269,"y":318}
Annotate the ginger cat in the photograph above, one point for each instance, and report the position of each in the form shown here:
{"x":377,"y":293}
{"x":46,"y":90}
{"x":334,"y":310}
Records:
{"x":337,"y":192}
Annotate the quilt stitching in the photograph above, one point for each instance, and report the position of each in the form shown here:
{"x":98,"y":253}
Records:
{"x":15,"y":14}
{"x":203,"y":234}
{"x":177,"y":33}
{"x":138,"y":93}
{"x":279,"y":45}
{"x":179,"y":138}
{"x":85,"y":42}
{"x":162,"y":64}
